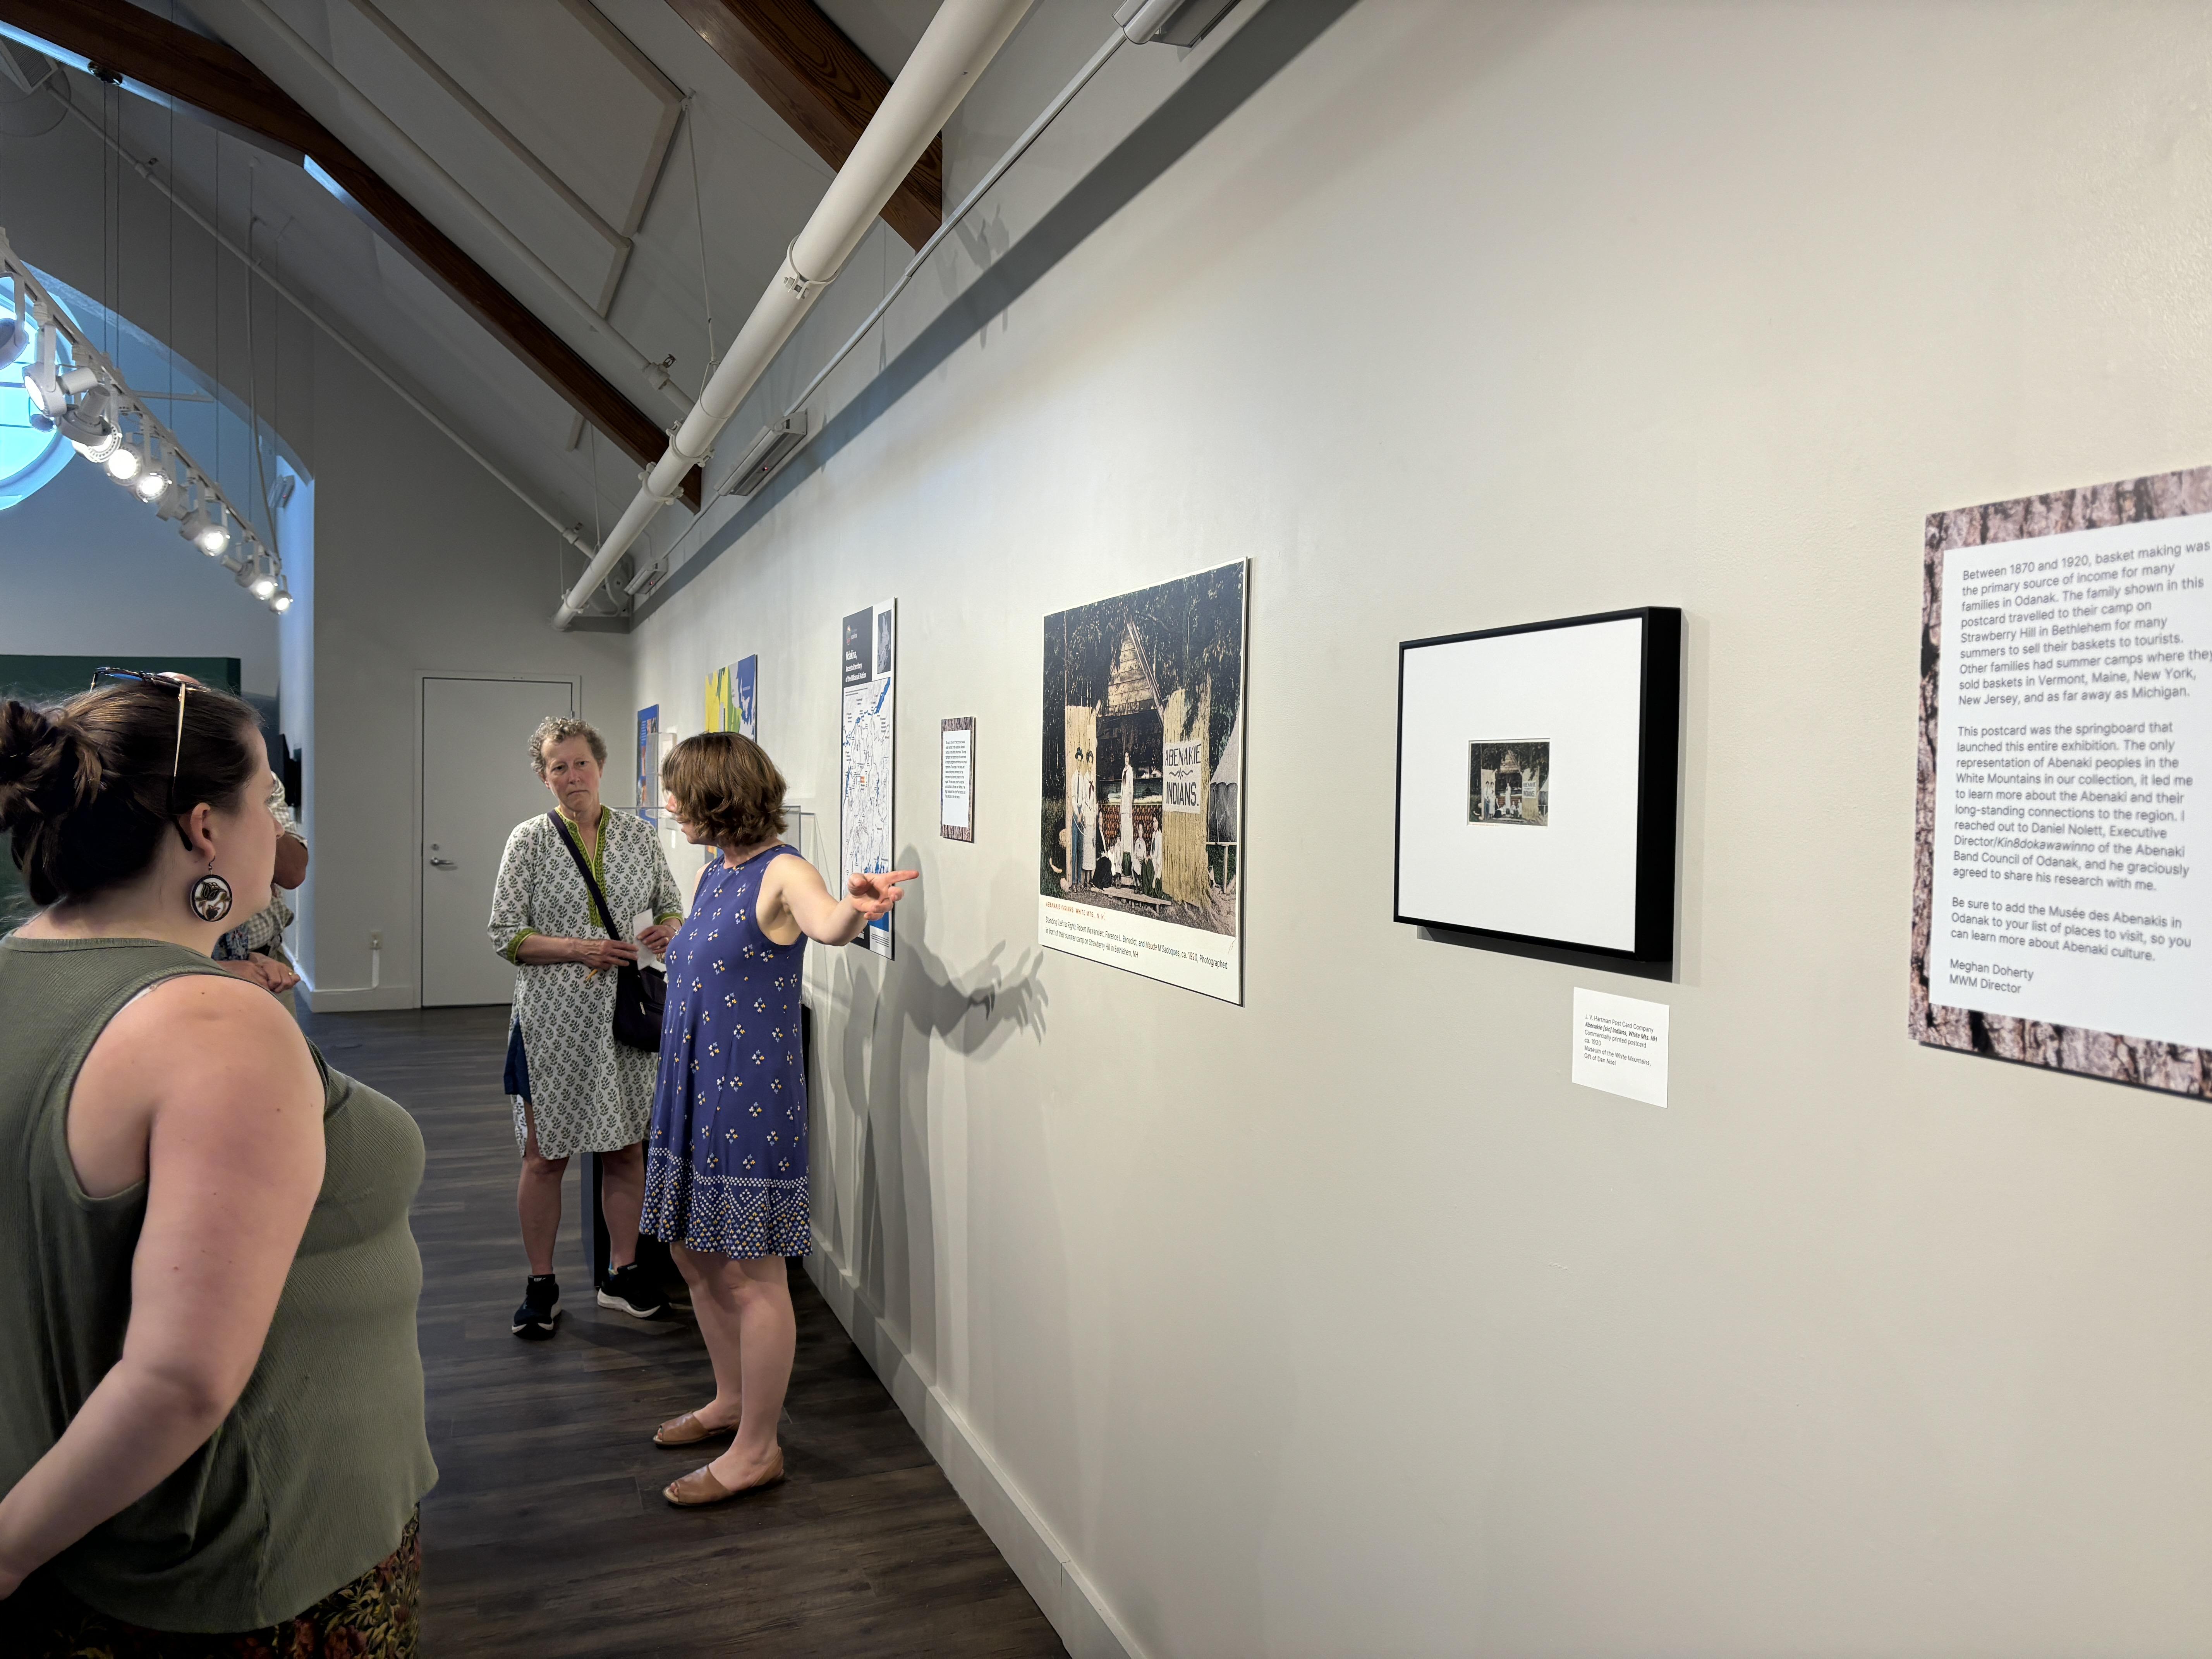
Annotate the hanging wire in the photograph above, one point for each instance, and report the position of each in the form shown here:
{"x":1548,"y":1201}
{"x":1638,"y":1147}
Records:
{"x":699,"y":218}
{"x":215,"y":286}
{"x":169,"y":310}
{"x":599,"y":535}
{"x":253,"y":376}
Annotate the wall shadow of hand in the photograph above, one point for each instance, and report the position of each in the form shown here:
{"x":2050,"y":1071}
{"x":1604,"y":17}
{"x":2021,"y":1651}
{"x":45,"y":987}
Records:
{"x":975,"y":1009}
{"x":1011,"y":996}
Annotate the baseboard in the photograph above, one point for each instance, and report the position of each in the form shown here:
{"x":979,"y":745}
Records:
{"x":356,"y":999}
{"x":1047,"y":1571}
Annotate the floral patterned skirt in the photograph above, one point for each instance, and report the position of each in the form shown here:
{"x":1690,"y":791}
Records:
{"x":372,"y":1618}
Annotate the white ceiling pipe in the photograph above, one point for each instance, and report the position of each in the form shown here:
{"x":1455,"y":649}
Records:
{"x":959,"y":43}
{"x":358,"y":105}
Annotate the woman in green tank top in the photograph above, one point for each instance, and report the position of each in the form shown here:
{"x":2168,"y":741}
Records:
{"x":211,"y":1396}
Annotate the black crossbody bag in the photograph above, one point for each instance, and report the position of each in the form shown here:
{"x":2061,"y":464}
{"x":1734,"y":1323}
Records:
{"x":640,"y":993}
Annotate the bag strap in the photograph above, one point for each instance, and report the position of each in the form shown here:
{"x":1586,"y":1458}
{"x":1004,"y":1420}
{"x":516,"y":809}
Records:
{"x":583,"y":869}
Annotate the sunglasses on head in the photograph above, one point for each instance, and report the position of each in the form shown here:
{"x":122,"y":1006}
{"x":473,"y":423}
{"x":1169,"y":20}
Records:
{"x":163,"y":679}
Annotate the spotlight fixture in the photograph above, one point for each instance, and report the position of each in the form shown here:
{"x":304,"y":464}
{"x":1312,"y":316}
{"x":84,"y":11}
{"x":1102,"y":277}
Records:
{"x":125,"y":461}
{"x":153,"y":481}
{"x":206,"y":530}
{"x":40,"y":386}
{"x":74,"y":390}
{"x":77,"y":404}
{"x":95,"y":441}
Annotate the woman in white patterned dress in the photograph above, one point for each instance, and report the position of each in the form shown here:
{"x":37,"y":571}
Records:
{"x":576,"y":1089}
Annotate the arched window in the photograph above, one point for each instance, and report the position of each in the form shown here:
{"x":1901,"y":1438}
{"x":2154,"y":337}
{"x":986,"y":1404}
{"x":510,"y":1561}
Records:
{"x":29,"y":458}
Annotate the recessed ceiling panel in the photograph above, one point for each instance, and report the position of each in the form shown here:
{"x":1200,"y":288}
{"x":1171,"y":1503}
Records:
{"x":585,"y":111}
{"x":503,"y":183}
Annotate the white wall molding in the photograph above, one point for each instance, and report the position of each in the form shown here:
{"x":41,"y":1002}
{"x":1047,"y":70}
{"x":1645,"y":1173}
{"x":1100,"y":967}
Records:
{"x":356,"y":999}
{"x":1047,"y":1570}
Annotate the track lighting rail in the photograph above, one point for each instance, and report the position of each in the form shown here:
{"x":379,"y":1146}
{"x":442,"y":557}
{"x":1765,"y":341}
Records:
{"x":89,"y":402}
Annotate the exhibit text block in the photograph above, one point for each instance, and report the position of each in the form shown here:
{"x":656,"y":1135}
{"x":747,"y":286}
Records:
{"x":956,"y":780}
{"x":2069,"y":745}
{"x":1621,"y":1046}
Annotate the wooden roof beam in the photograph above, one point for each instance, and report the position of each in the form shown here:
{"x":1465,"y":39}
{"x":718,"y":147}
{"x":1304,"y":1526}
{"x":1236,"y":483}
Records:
{"x":825,"y":88}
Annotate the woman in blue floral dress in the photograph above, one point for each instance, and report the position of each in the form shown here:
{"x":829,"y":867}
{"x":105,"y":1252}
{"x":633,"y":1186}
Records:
{"x":726,"y":1157}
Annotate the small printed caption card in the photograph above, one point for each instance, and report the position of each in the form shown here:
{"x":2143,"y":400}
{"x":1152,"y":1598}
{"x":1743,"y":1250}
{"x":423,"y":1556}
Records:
{"x":1621,"y":1046}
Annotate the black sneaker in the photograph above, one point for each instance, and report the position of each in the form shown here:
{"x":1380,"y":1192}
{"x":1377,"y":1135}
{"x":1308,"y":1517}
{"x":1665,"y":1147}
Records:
{"x":534,"y":1319}
{"x":628,"y":1290}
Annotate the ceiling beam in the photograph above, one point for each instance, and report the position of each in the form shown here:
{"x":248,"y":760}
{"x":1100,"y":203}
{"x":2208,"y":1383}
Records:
{"x":825,"y":88}
{"x":128,"y":42}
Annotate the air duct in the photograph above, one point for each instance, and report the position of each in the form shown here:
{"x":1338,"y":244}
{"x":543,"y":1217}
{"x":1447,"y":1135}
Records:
{"x":959,"y":43}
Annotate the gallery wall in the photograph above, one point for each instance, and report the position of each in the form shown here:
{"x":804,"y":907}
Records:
{"x":446,"y":575}
{"x":1342,"y":1322}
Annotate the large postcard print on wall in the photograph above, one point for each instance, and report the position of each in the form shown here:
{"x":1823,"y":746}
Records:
{"x":1536,"y":784}
{"x":1142,"y":821}
{"x":2056,"y":906}
{"x":864,"y":800}
{"x":730,"y":699}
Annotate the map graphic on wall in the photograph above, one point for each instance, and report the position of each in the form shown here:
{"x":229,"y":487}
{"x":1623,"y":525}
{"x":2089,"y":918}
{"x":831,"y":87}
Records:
{"x":866,"y":725}
{"x":1142,"y":819}
{"x":649,"y":765}
{"x":732,"y":703}
{"x":1510,"y":783}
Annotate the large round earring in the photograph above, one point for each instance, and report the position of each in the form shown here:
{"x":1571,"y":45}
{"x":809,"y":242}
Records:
{"x":211,"y":898}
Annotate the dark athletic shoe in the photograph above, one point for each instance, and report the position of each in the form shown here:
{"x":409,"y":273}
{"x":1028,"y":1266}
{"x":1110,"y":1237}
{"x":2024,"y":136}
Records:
{"x":626,"y":1289}
{"x":535,"y":1318}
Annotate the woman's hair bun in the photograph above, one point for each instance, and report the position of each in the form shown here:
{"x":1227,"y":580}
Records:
{"x":47,"y":768}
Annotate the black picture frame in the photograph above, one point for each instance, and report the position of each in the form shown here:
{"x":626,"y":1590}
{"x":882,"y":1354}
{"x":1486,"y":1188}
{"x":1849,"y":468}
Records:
{"x":1659,"y":744}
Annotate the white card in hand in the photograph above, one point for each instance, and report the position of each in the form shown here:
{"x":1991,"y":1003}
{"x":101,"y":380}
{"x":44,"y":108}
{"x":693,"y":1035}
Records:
{"x":647,"y":956}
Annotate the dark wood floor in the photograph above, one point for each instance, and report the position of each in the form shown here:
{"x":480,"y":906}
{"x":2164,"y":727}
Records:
{"x":547,"y":1534}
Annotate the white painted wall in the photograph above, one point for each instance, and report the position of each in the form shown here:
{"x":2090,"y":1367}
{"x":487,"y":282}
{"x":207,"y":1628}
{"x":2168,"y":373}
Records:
{"x":423,"y":565}
{"x":1292,"y":1328}
{"x":87,"y":569}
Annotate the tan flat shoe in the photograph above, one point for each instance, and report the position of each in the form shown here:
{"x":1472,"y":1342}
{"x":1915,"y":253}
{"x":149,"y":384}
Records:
{"x":700,"y":1488}
{"x":687,"y":1430}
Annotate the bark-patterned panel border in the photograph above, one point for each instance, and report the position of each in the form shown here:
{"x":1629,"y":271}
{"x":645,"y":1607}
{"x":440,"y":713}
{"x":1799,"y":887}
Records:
{"x":2063,"y":1047}
{"x":957,"y":831}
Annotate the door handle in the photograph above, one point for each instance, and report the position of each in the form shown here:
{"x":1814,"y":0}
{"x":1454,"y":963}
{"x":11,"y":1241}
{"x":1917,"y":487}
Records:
{"x":443,"y":864}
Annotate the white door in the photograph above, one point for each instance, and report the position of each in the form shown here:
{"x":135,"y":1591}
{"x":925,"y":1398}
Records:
{"x":478,"y":785}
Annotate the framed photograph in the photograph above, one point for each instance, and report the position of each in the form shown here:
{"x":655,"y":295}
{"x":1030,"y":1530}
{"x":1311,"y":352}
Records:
{"x":2055,"y":907}
{"x":1536,"y":786}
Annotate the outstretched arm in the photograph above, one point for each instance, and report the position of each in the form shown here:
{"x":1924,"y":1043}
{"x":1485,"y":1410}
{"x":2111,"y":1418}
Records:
{"x":794,"y":900}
